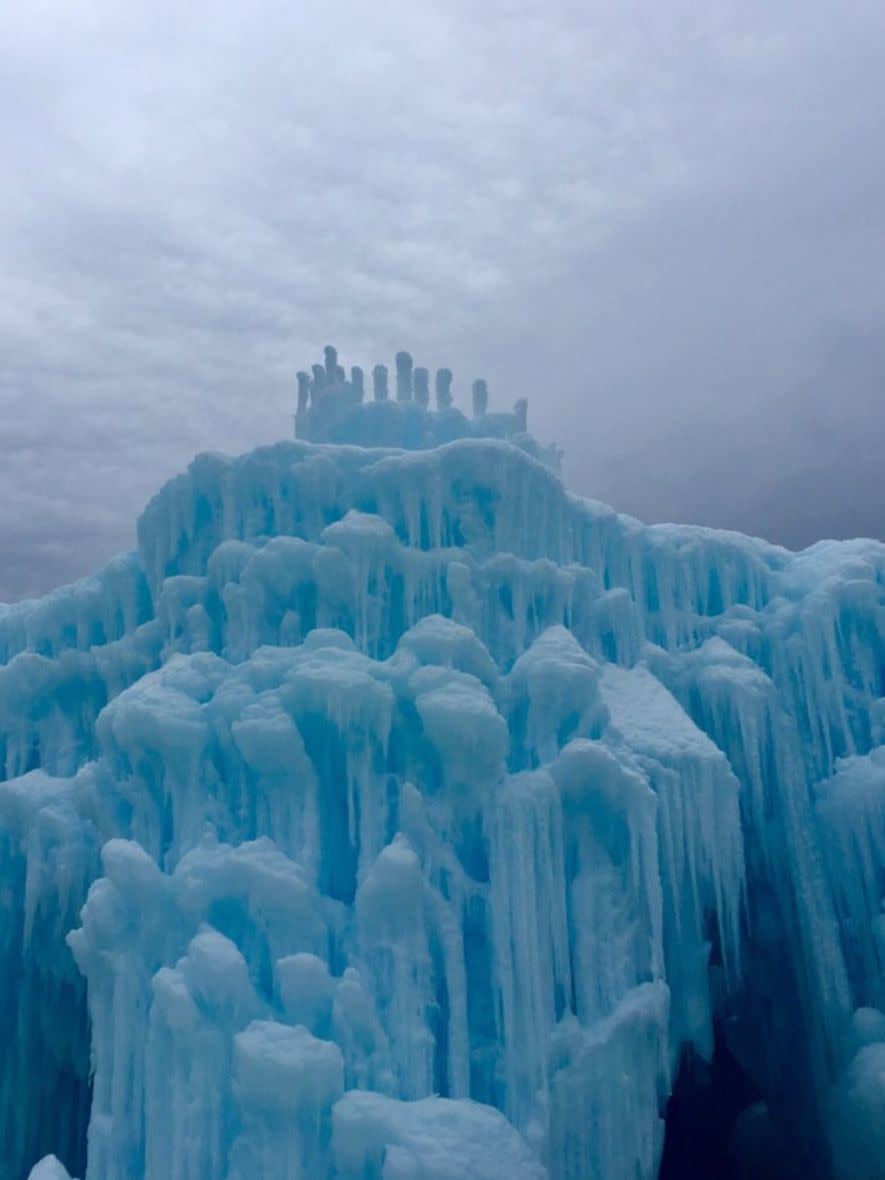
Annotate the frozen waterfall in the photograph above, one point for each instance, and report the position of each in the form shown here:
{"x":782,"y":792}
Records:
{"x":394,"y":814}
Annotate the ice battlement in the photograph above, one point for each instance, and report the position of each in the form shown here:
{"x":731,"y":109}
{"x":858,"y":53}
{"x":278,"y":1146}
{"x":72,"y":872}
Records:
{"x":332,"y":408}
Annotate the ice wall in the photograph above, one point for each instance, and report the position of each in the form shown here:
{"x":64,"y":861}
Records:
{"x":397,"y":814}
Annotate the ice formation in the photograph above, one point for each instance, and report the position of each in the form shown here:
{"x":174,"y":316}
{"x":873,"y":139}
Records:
{"x":393,"y":814}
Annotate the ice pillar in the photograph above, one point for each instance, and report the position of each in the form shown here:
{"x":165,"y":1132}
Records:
{"x":443,"y":388}
{"x":331,"y":355}
{"x":358,"y":381}
{"x":480,"y":398}
{"x":403,"y":377}
{"x":379,"y":383}
{"x":303,"y":391}
{"x":422,"y":386}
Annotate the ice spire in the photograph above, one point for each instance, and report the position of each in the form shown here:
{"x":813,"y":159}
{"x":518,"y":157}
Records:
{"x":403,"y":377}
{"x":443,"y":388}
{"x":422,"y":386}
{"x":330,"y":409}
{"x":357,"y":380}
{"x":480,"y":398}
{"x":303,"y":391}
{"x":379,"y":383}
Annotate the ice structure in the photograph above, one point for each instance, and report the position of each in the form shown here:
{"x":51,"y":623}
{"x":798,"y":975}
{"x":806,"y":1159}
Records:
{"x":394,"y":814}
{"x":332,"y":408}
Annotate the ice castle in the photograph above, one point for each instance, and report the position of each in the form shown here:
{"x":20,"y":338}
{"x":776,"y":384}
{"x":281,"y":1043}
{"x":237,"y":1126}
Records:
{"x":332,"y":409}
{"x":394,"y":814}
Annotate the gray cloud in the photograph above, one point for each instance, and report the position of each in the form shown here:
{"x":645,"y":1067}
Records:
{"x":665,"y":228}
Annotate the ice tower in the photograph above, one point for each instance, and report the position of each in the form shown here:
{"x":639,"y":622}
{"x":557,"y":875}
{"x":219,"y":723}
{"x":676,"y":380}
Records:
{"x":332,"y":409}
{"x":393,"y":814}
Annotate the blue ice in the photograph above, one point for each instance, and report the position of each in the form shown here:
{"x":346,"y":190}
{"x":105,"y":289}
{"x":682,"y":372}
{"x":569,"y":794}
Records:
{"x":394,"y":814}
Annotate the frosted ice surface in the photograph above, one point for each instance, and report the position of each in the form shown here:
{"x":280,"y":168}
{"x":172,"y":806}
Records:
{"x":394,"y":813}
{"x":49,"y":1168}
{"x":377,"y":1138}
{"x":859,"y":1129}
{"x":851,"y":807}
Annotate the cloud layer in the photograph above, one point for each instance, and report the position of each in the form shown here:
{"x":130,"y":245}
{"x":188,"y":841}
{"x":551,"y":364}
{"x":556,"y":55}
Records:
{"x":665,"y":228}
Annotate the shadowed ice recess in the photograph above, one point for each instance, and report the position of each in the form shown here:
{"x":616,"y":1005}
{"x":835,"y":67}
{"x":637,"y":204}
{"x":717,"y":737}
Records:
{"x":394,"y":814}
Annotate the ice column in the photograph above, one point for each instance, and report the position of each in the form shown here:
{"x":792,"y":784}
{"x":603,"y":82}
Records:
{"x":357,"y":380}
{"x":379,"y":383}
{"x":403,"y":377}
{"x":286,"y":1082}
{"x":480,"y":398}
{"x":303,"y":391}
{"x":443,"y":388}
{"x":422,"y":386}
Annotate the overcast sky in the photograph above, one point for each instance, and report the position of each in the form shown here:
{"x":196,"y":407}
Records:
{"x":662,"y":221}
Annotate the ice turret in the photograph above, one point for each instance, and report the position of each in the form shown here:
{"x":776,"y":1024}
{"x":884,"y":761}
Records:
{"x":357,"y":380}
{"x":422,"y":386}
{"x":379,"y":383}
{"x":403,"y":377}
{"x":303,"y":391}
{"x":443,"y":388}
{"x":332,"y":409}
{"x":331,"y":356}
{"x":480,"y":398}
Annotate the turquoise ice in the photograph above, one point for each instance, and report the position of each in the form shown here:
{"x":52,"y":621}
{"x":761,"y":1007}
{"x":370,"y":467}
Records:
{"x":394,"y":813}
